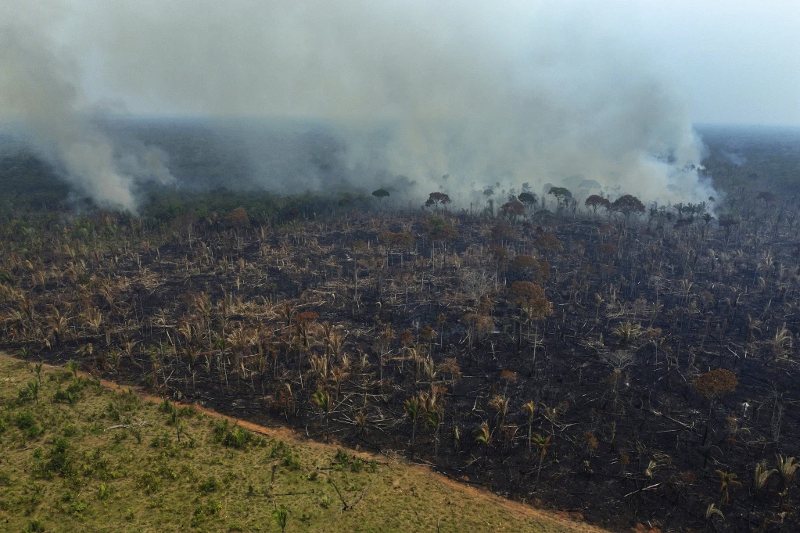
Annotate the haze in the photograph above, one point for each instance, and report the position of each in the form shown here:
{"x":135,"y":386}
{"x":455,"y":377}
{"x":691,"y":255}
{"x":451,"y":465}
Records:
{"x":599,"y":96}
{"x":733,"y":61}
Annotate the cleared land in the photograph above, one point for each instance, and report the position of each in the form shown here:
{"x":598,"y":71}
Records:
{"x":79,"y":456}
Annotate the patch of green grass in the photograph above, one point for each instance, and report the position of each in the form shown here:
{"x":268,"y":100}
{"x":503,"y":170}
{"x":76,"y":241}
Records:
{"x":283,"y":452}
{"x":343,"y":460}
{"x":56,"y":460}
{"x":233,"y":436}
{"x":209,"y":485}
{"x":96,"y":460}
{"x":34,"y":526}
{"x":29,"y":393}
{"x":26,"y":422}
{"x":71,"y":394}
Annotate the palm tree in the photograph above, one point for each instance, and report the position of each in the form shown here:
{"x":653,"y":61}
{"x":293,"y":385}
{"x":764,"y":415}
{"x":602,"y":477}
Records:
{"x":334,"y":340}
{"x":58,"y":324}
{"x":434,"y":413}
{"x":499,"y":403}
{"x":782,"y":343}
{"x":483,"y":435}
{"x":618,"y":360}
{"x":761,"y":476}
{"x":529,"y":409}
{"x":531,"y":299}
{"x":457,"y":438}
{"x":413,"y":409}
{"x":93,"y":318}
{"x":304,"y":322}
{"x":628,"y":332}
{"x":543,"y":444}
{"x":727,"y":480}
{"x":711,"y":511}
{"x":322,"y":399}
{"x":787,"y":467}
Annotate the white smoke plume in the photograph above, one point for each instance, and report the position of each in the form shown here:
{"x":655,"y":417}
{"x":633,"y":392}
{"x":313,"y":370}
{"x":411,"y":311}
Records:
{"x":485,"y":92}
{"x":40,"y":98}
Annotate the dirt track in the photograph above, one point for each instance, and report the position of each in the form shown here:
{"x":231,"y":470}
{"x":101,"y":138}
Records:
{"x":564,"y":523}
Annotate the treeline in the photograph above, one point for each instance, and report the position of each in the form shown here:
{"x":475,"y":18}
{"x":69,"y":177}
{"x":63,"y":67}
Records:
{"x":30,"y":188}
{"x":260,"y":207}
{"x":27,"y":183}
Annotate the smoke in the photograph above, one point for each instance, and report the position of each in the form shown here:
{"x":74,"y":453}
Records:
{"x":40,"y":100}
{"x":734,"y":157}
{"x":399,"y":92}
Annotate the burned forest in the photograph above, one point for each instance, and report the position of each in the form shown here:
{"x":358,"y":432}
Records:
{"x":634,"y":364}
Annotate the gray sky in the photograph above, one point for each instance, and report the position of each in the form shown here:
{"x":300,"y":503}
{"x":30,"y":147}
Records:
{"x":735,"y":61}
{"x":730,"y":61}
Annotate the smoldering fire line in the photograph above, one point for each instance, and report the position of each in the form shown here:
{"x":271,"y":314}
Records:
{"x":505,"y":94}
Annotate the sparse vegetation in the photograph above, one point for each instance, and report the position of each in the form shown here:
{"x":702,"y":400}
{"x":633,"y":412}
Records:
{"x":602,"y":355}
{"x":85,"y":470}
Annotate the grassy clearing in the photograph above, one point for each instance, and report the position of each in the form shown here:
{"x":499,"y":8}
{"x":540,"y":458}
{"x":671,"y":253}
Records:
{"x":77,"y":457}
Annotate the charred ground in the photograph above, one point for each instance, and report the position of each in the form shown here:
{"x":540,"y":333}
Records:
{"x":638,"y":369}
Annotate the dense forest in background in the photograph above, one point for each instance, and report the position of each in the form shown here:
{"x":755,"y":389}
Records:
{"x":215,"y":177}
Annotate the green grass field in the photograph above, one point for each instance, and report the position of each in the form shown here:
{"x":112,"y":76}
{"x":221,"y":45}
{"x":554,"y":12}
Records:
{"x":79,"y":457}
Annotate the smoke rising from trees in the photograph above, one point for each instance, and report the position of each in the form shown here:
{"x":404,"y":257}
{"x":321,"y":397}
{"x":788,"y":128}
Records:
{"x":537,"y":92}
{"x":40,"y":95}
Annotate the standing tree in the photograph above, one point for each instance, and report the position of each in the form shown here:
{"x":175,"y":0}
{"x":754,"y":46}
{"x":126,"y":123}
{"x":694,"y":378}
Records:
{"x":543,"y":444}
{"x":594,"y":201}
{"x":787,"y":468}
{"x":438,"y":229}
{"x":533,"y":302}
{"x":322,"y":399}
{"x":562,"y":194}
{"x":238,"y":218}
{"x":529,"y":408}
{"x":513,"y":209}
{"x":712,"y":385}
{"x":413,"y":407}
{"x":437,"y":199}
{"x":727,"y":480}
{"x":528,"y":198}
{"x":380,"y":194}
{"x":761,"y":475}
{"x":627,"y":205}
{"x":527,"y":267}
{"x":483,"y":436}
{"x":488,"y":192}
